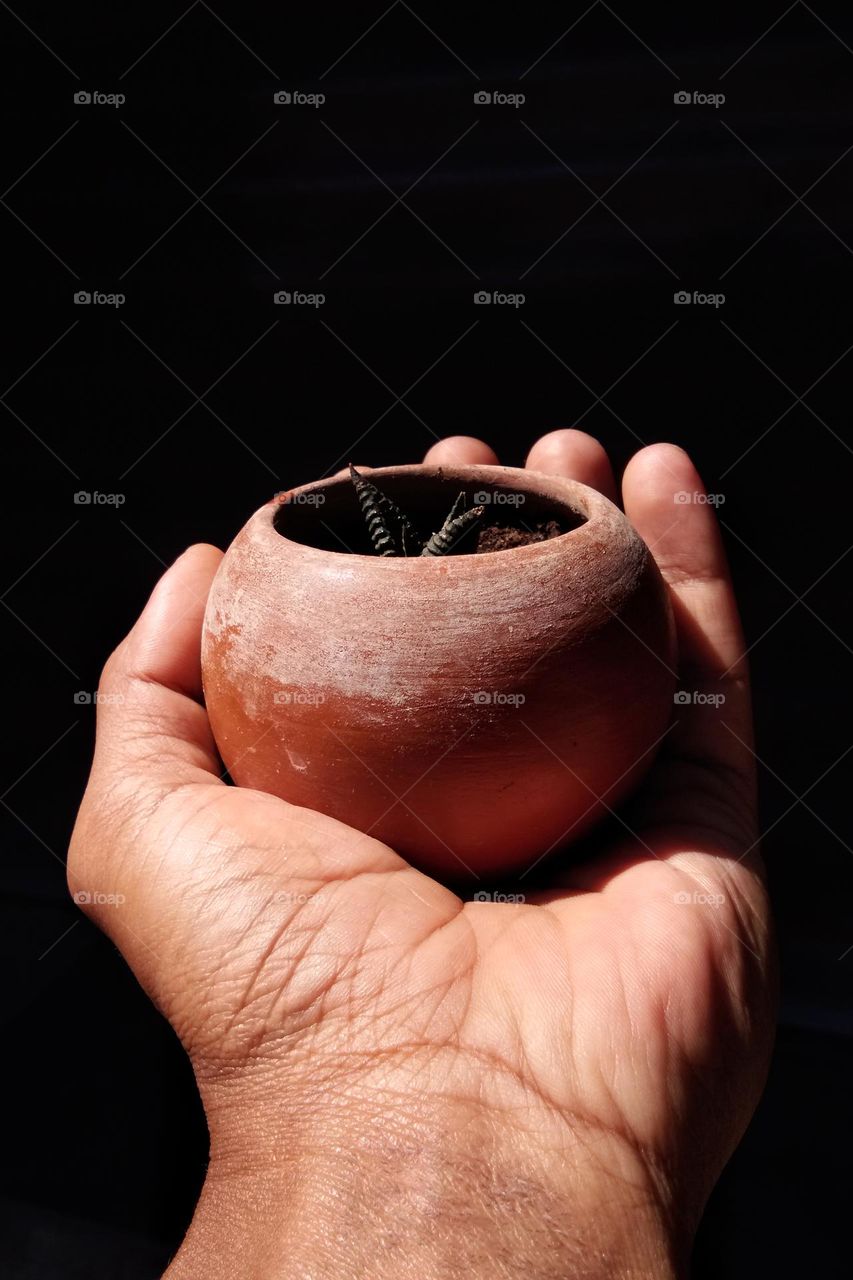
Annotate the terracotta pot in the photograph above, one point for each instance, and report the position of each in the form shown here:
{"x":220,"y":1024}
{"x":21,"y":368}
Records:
{"x":472,"y":711}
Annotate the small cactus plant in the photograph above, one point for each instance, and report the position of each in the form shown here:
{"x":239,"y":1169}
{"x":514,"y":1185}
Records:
{"x":393,"y":534}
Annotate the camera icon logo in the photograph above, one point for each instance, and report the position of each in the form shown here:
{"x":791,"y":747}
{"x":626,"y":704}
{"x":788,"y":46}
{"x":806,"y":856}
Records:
{"x":482,"y":298}
{"x":682,"y":298}
{"x":282,"y":298}
{"x":82,"y":298}
{"x":482,"y":896}
{"x":82,"y":98}
{"x":82,"y":698}
{"x":283,"y":98}
{"x":682,"y":898}
{"x":682,"y":698}
{"x":82,"y":896}
{"x":481,"y":698}
{"x":82,"y":498}
{"x":482,"y":98}
{"x":482,"y":499}
{"x":681,"y":99}
{"x":282,"y":697}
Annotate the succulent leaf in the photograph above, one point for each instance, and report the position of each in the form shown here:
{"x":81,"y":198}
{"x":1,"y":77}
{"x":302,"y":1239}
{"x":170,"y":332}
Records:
{"x":395,"y":523}
{"x":393,"y":534}
{"x":369,"y":499}
{"x":454,"y":528}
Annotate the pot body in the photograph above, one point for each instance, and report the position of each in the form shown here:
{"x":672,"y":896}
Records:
{"x":473,"y":712}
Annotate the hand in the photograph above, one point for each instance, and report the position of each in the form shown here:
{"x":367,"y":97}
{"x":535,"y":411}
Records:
{"x":399,"y":1082}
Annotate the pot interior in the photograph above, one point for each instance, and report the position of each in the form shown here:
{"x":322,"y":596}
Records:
{"x":329,"y":516}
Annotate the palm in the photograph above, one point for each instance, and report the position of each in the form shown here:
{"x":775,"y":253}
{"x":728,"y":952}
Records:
{"x":630,"y":996}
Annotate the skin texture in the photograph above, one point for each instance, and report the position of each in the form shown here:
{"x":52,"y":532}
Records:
{"x":401,"y":1083}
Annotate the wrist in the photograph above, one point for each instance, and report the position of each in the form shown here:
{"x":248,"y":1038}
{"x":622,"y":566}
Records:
{"x":369,"y":1191}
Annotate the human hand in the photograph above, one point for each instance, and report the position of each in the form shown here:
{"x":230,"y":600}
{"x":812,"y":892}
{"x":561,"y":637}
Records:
{"x":399,"y":1082}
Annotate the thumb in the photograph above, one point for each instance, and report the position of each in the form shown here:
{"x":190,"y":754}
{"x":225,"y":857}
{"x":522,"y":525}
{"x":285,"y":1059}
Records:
{"x":150,"y":710}
{"x":153,"y":734}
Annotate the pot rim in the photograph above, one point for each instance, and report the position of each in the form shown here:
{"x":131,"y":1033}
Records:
{"x":597,"y":511}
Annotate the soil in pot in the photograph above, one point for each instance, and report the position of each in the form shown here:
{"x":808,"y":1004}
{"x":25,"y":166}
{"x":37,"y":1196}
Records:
{"x":334,"y":521}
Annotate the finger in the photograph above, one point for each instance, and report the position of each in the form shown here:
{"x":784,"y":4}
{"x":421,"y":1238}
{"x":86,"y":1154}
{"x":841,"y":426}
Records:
{"x":575,"y":455}
{"x":149,"y":703}
{"x":667,"y":503}
{"x":663,"y":495}
{"x":461,"y":451}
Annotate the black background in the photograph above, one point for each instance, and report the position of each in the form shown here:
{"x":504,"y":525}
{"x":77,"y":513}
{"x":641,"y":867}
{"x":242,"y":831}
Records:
{"x":198,"y":397}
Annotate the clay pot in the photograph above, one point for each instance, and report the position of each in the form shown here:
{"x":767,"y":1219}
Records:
{"x":472,"y":711}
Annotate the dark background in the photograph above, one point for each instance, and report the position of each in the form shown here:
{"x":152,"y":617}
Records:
{"x":198,"y":397}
